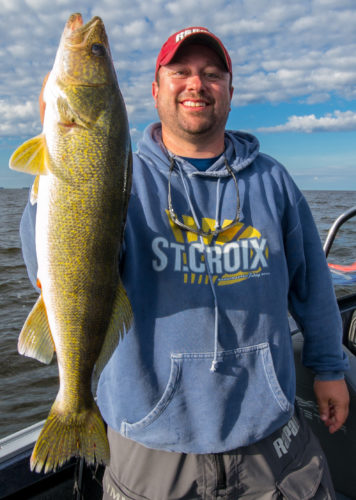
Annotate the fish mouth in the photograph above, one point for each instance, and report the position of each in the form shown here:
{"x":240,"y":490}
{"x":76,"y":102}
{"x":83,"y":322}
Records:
{"x":76,"y":23}
{"x":78,"y":34}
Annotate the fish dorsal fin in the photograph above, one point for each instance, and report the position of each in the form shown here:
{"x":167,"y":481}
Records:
{"x":35,"y":339}
{"x":31,"y":157}
{"x":121,"y":319}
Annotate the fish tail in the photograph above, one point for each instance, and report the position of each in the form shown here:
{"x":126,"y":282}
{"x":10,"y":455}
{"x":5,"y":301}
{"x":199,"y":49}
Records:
{"x":71,"y":435}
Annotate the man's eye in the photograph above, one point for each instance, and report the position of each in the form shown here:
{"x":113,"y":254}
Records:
{"x":179,"y":72}
{"x":212,"y":75}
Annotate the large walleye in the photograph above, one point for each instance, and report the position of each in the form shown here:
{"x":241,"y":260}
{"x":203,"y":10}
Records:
{"x":82,"y":161}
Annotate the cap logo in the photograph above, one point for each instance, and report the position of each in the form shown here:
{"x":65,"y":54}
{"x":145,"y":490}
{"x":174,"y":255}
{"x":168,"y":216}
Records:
{"x":180,"y":36}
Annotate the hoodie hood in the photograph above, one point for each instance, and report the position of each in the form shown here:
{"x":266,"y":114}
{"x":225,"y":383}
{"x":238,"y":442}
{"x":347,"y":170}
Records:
{"x":241,"y":149}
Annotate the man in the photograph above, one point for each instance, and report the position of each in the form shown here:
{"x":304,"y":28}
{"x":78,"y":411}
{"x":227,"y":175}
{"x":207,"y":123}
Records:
{"x":219,"y":243}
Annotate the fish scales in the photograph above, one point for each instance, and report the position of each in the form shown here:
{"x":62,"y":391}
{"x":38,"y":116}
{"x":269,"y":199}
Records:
{"x":82,"y":161}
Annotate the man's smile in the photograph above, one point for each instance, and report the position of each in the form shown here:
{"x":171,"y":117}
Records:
{"x":194,"y":101}
{"x":194,"y":104}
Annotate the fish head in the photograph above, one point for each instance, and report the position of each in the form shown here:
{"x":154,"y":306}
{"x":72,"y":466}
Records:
{"x":83,"y":112}
{"x":83,"y":56}
{"x":83,"y":102}
{"x":83,"y":81}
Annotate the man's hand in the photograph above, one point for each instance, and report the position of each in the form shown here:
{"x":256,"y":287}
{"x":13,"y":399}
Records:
{"x":333,"y":400}
{"x":41,"y":101}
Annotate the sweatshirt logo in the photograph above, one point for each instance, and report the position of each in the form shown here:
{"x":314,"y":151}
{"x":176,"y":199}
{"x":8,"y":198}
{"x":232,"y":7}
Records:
{"x":235,"y":255}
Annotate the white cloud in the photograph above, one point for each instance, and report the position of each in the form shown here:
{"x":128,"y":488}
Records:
{"x":135,"y":135}
{"x":19,"y":119}
{"x":281,"y":51}
{"x":331,"y":122}
{"x":10,"y":5}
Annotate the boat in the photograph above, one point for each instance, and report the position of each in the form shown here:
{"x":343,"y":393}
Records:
{"x":340,"y":448}
{"x":77,"y":481}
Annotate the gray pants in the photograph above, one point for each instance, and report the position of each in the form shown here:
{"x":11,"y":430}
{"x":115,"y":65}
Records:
{"x":289,"y":464}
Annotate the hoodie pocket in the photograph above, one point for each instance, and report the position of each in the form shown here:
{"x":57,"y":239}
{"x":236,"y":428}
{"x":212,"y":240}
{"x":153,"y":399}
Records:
{"x":209,"y":412}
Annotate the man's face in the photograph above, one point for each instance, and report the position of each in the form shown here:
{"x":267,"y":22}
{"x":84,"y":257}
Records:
{"x":193,"y":94}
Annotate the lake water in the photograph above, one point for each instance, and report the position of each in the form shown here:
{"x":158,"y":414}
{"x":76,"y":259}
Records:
{"x":28,"y":387}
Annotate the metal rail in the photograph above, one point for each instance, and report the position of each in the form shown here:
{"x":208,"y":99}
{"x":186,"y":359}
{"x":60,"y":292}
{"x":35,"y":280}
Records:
{"x":335,"y":227}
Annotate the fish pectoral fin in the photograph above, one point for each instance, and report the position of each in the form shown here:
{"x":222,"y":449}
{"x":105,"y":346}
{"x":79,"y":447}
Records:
{"x":120,"y":322}
{"x":34,"y":190}
{"x":31,"y":157}
{"x":35,"y":340}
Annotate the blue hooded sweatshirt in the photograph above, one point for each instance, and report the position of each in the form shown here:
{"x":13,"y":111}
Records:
{"x":207,"y":365}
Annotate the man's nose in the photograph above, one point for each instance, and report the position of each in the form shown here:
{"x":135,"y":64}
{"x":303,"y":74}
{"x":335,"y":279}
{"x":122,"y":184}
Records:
{"x":195,"y":82}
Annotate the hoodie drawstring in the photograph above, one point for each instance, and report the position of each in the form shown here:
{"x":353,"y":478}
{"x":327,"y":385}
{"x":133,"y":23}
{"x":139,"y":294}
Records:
{"x":215,"y":361}
{"x":218,"y":229}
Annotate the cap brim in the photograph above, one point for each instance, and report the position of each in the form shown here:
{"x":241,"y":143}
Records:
{"x":204,"y":39}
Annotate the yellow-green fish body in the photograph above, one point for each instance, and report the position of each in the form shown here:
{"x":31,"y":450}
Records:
{"x":83,"y":165}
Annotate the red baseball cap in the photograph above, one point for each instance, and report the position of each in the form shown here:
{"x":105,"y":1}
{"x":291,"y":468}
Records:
{"x":196,"y":34}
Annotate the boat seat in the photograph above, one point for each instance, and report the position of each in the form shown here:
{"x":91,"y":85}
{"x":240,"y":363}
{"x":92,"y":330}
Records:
{"x":351,"y":333}
{"x":340,"y":448}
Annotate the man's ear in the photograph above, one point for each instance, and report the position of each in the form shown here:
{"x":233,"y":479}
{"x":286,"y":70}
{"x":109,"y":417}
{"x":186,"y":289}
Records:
{"x":155,"y":91}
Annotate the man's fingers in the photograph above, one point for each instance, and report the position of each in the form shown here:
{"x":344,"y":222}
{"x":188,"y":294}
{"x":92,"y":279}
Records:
{"x":324,"y":410}
{"x":41,"y":101}
{"x":338,"y":416}
{"x":333,"y":400}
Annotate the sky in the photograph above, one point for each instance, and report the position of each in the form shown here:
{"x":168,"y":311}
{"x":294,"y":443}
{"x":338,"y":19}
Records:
{"x":294,"y":66}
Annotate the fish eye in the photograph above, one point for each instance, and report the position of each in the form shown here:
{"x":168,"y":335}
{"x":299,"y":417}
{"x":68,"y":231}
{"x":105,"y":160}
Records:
{"x":98,"y":49}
